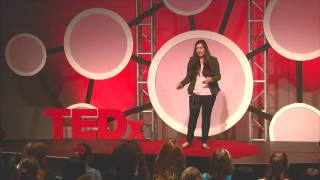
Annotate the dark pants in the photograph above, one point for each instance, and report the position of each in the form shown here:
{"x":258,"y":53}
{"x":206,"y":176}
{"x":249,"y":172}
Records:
{"x":195,"y":103}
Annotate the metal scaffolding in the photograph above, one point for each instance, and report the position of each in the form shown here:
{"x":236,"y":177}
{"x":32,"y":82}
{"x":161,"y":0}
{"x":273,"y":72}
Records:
{"x":145,"y":48}
{"x":258,"y":127}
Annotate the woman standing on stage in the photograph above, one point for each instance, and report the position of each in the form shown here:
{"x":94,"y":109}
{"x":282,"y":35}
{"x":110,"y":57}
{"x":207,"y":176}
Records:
{"x":203,"y":74}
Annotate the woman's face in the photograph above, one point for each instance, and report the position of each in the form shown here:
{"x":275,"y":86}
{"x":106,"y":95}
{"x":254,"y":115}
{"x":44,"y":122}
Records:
{"x":200,"y":49}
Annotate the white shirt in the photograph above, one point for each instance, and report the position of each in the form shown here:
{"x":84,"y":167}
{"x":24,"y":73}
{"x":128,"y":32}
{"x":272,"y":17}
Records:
{"x":201,"y":88}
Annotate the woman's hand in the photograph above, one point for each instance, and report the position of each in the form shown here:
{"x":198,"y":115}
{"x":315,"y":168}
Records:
{"x":207,"y":80}
{"x":179,"y":86}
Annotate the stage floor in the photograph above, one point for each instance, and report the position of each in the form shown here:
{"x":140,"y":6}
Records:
{"x":298,"y":152}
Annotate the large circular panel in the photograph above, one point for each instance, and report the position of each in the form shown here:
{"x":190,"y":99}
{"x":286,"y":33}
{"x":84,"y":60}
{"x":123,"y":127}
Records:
{"x":98,"y":43}
{"x":25,"y":54}
{"x":292,"y":28}
{"x":187,"y":7}
{"x":296,"y":122}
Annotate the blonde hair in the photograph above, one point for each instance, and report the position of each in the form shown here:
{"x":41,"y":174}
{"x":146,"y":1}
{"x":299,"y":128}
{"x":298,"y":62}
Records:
{"x":191,"y":173}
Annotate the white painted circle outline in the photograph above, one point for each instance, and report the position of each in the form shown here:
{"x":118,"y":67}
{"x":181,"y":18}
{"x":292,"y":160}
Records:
{"x":126,"y":29}
{"x":277,"y":47}
{"x":234,"y":118}
{"x":283,"y":110}
{"x":43,"y":60}
{"x":82,"y":105}
{"x":187,"y":13}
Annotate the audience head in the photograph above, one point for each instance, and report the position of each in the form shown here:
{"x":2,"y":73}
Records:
{"x":28,"y":169}
{"x":170,"y":160}
{"x":84,"y":152}
{"x":191,"y":173}
{"x":125,"y":160}
{"x":220,"y":165}
{"x":73,"y":168}
{"x":311,"y":174}
{"x":142,"y":169}
{"x":278,"y":165}
{"x":36,"y":150}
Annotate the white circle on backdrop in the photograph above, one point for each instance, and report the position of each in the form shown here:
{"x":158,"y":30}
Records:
{"x":295,"y":33}
{"x":81,"y":106}
{"x":98,"y":43}
{"x":296,"y":122}
{"x":67,"y":130}
{"x":187,"y":7}
{"x":169,"y":65}
{"x":25,"y":54}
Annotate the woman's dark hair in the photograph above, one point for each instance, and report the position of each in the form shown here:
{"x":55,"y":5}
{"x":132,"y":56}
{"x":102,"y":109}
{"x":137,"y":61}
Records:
{"x":220,"y":164}
{"x":170,"y":160}
{"x":278,"y":166}
{"x":143,"y":169}
{"x":125,"y":160}
{"x":195,"y":60}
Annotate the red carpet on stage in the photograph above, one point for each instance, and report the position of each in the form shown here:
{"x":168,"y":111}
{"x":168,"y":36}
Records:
{"x":236,"y":149}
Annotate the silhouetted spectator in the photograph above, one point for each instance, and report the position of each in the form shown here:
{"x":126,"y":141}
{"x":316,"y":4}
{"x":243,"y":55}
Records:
{"x":220,"y":166}
{"x":29,"y":169}
{"x":170,"y":162}
{"x":143,"y":169}
{"x":73,"y":168}
{"x":278,"y":167}
{"x":310,"y":174}
{"x":84,"y":152}
{"x":125,"y":160}
{"x":191,"y":173}
{"x":38,"y":150}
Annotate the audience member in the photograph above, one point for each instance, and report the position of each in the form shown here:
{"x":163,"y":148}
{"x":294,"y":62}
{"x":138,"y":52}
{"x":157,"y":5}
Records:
{"x":310,"y":174}
{"x":29,"y":169}
{"x":170,"y":162}
{"x":125,"y":160}
{"x":220,"y":166}
{"x":38,"y":151}
{"x":142,"y":169}
{"x":191,"y":173}
{"x":278,"y":167}
{"x":84,"y":152}
{"x":74,"y":168}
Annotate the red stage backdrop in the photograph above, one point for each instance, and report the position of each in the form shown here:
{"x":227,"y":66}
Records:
{"x":23,"y":98}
